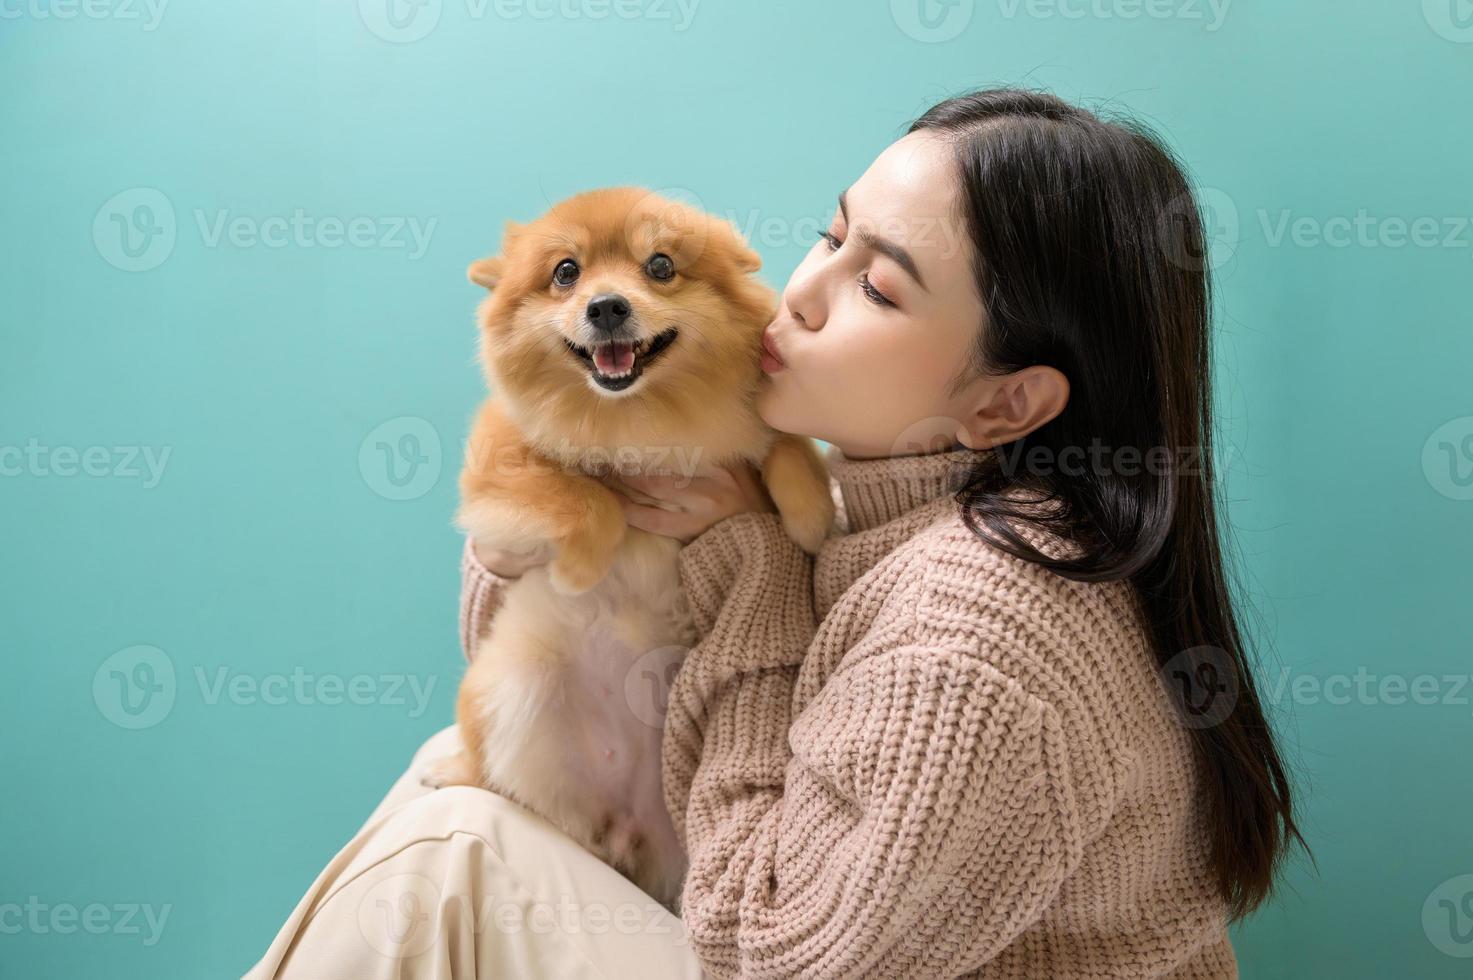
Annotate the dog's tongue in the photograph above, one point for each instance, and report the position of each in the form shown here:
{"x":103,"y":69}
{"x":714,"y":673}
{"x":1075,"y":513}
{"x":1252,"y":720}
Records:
{"x":615,"y":357}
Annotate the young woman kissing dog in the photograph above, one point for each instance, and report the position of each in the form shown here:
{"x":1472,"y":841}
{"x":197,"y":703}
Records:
{"x":979,"y":731}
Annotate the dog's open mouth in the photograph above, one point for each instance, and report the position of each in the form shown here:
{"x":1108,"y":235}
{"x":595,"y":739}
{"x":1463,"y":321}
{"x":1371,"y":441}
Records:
{"x":617,"y":364}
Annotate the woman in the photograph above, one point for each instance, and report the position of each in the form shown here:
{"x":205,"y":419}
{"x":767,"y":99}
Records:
{"x":1004,"y":724}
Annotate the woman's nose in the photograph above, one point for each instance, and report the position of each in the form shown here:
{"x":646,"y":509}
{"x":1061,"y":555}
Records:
{"x":805,"y":297}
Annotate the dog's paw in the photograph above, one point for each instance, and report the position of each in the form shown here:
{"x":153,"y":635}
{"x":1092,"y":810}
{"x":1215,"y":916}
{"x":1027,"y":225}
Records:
{"x":584,"y":561}
{"x":797,"y":479}
{"x":570,"y":578}
{"x":452,"y":770}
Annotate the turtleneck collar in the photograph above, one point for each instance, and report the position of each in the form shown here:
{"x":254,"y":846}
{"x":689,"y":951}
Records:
{"x":877,"y":491}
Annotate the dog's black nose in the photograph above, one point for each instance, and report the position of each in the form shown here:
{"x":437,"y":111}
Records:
{"x":608,"y":311}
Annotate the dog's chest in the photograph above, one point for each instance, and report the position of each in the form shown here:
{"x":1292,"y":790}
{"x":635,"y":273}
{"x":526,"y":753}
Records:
{"x":631,"y":636}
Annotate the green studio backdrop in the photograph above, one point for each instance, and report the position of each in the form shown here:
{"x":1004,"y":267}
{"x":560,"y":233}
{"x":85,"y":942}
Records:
{"x":238,"y":366}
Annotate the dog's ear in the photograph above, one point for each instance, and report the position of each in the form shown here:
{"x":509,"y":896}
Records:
{"x":486,"y":272}
{"x":747,"y":260}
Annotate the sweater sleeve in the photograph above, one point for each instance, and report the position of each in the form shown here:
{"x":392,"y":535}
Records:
{"x":911,"y":821}
{"x":480,"y":596}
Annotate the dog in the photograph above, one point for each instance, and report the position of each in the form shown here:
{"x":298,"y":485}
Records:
{"x":622,"y":333}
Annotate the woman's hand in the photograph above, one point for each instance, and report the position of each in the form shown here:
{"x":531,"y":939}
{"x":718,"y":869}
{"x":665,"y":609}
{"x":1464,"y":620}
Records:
{"x":697,"y":501}
{"x":510,"y":564}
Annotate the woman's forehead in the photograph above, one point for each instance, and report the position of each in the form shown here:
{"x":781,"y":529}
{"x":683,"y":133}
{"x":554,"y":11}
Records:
{"x":909,"y":196}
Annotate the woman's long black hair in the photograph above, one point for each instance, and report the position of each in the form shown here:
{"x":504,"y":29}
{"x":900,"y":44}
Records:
{"x":1090,"y":257}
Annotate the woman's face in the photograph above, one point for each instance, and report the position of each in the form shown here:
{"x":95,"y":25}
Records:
{"x":881,"y":316}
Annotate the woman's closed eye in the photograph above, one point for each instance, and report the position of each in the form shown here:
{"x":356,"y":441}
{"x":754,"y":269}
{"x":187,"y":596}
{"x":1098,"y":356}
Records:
{"x":870,"y":292}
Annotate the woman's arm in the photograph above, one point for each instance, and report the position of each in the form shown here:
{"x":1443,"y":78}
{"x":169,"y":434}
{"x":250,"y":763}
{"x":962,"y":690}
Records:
{"x":481,"y":588}
{"x":911,"y":821}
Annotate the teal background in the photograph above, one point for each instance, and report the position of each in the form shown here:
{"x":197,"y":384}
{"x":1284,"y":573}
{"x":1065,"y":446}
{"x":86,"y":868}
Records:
{"x":269,"y":545}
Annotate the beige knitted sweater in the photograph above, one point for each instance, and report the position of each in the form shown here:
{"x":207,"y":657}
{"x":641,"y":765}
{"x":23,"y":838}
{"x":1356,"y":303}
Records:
{"x":914,"y":756}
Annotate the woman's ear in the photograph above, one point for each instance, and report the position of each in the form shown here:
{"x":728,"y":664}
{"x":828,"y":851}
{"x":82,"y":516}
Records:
{"x":1010,"y":407}
{"x":486,"y":272}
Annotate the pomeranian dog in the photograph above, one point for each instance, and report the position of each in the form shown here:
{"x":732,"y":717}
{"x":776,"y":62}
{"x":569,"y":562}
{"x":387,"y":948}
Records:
{"x":622,"y":333}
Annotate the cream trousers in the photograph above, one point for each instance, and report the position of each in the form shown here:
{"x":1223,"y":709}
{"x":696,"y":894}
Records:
{"x":461,"y":883}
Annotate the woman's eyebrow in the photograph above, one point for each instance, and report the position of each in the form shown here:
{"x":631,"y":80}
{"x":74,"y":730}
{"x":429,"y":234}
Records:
{"x":901,"y":256}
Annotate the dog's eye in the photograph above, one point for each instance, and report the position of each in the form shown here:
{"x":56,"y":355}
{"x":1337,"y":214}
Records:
{"x":660,"y":267}
{"x":566,"y":273}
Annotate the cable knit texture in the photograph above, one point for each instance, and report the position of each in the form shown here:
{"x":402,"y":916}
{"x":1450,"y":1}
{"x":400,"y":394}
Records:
{"x":915,"y":756}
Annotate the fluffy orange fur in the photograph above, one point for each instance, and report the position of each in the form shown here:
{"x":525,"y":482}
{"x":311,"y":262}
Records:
{"x":537,"y":713}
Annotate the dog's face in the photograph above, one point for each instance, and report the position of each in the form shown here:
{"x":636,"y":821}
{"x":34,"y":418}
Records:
{"x":619,"y":297}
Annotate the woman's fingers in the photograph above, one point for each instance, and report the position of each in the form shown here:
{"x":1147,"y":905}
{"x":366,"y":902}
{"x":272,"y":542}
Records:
{"x":510,"y":564}
{"x":655,"y":520}
{"x":664,"y":485}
